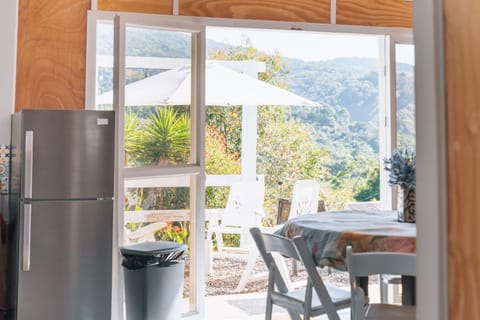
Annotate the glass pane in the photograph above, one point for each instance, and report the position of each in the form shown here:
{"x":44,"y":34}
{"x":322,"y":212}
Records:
{"x":157,"y":97}
{"x":104,"y":64}
{"x":157,"y":93}
{"x":223,"y":131}
{"x":334,"y":140}
{"x":405,"y":64}
{"x":161,"y":213}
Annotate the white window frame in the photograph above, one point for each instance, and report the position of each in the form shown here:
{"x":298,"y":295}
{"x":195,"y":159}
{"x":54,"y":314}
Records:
{"x":392,"y":36}
{"x":194,"y":172}
{"x":388,"y":110}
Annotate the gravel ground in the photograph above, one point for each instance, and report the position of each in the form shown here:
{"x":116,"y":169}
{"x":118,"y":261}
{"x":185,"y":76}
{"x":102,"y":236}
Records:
{"x":228,"y":270}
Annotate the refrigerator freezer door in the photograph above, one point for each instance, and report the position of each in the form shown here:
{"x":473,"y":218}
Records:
{"x":68,"y":154}
{"x":70,"y":255}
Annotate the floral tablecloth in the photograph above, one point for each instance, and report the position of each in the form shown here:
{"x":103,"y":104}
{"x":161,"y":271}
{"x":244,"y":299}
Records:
{"x":329,"y":233}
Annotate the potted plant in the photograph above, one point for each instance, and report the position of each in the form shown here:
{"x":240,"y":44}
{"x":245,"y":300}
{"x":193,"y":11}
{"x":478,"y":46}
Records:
{"x":401,"y":168}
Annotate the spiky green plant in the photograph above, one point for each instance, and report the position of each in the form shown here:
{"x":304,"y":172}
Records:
{"x":166,"y":137}
{"x":132,"y":137}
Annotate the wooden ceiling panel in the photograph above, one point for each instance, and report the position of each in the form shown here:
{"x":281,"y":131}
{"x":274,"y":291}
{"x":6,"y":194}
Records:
{"x":51,"y":54}
{"x":280,"y":10}
{"x":385,"y":13}
{"x":139,"y":6}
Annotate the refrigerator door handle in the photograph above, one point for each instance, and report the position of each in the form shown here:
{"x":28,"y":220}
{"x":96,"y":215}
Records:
{"x":27,"y":236}
{"x":28,"y":164}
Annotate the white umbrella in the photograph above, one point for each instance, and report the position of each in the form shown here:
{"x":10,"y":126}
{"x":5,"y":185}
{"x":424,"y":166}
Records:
{"x":224,"y":87}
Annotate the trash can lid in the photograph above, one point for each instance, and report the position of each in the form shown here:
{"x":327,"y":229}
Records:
{"x":153,"y":248}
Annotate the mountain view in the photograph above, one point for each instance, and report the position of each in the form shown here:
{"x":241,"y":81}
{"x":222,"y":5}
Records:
{"x":345,"y":125}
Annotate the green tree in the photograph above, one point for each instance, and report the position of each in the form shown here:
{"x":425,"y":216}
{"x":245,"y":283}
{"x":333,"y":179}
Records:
{"x":286,"y":149}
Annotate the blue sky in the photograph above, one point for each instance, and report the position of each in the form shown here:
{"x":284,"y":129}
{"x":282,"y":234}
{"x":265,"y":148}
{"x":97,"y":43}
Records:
{"x":311,"y":46}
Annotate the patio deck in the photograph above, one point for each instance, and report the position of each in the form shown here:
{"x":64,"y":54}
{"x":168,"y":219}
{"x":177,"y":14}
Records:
{"x":251,"y":306}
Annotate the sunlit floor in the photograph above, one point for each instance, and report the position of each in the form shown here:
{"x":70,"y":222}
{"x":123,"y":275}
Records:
{"x":252,"y":307}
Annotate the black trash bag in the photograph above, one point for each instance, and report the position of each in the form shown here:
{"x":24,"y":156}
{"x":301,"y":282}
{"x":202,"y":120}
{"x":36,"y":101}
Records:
{"x":152,"y":254}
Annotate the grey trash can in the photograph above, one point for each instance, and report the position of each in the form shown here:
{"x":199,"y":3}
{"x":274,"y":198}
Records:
{"x":153,"y":274}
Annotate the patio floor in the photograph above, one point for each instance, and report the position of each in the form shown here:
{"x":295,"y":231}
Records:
{"x":251,"y":306}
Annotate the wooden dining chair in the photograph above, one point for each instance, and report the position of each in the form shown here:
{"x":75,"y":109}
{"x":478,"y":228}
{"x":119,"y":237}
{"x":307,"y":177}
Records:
{"x":315,"y":299}
{"x":375,"y":263}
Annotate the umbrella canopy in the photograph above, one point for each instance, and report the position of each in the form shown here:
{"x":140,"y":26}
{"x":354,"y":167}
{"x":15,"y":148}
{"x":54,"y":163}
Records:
{"x":224,"y":87}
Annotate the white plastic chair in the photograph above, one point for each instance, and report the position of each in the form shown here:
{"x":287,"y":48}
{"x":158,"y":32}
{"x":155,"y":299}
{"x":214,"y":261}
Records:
{"x":244,"y":210}
{"x":144,"y":234}
{"x":374,"y":263}
{"x":315,"y":299}
{"x":304,"y":198}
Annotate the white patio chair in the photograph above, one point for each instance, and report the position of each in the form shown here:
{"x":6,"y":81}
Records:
{"x":144,"y":234}
{"x":244,"y":210}
{"x":314,"y":299}
{"x":305,"y":199}
{"x":374,"y":263}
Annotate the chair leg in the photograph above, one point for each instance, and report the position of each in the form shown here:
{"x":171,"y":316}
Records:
{"x":208,"y":256}
{"x":219,"y":237}
{"x":252,"y":258}
{"x":383,"y":290}
{"x":269,"y":307}
{"x":294,"y":315}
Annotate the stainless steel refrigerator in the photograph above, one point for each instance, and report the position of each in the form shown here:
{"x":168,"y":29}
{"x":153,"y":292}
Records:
{"x":61,"y":214}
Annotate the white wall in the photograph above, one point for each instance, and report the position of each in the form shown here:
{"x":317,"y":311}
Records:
{"x":8,"y":41}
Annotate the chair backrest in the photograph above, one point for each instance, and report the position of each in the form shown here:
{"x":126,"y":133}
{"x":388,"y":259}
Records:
{"x":270,"y":243}
{"x":372,"y":263}
{"x":305,"y":198}
{"x":244,"y":203}
{"x":306,"y":257}
{"x":295,"y":249}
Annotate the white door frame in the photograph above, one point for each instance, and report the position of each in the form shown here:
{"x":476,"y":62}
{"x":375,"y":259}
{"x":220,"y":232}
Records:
{"x":8,"y":62}
{"x":195,"y":170}
{"x":432,"y":291}
{"x":432,"y":251}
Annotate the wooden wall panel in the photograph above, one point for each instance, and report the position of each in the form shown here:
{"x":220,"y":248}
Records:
{"x":51,"y":54}
{"x":139,"y":6}
{"x":280,"y":10}
{"x":462,"y":68}
{"x":385,"y":13}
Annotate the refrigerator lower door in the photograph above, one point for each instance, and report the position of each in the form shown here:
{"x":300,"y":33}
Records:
{"x":65,"y":260}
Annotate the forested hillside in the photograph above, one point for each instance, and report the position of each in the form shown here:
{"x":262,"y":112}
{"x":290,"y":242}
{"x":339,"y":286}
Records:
{"x":345,"y":126}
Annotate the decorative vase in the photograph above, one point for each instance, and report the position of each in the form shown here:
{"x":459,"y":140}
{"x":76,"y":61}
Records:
{"x":406,"y":204}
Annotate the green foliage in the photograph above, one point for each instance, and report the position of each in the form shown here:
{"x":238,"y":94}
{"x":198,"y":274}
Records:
{"x":228,"y":121}
{"x":132,"y":135}
{"x":219,"y":159}
{"x":177,"y":231}
{"x":165,"y":138}
{"x":286,"y":153}
{"x":369,"y":190}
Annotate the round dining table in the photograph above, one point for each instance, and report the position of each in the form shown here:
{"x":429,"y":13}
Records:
{"x":328,"y":233}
